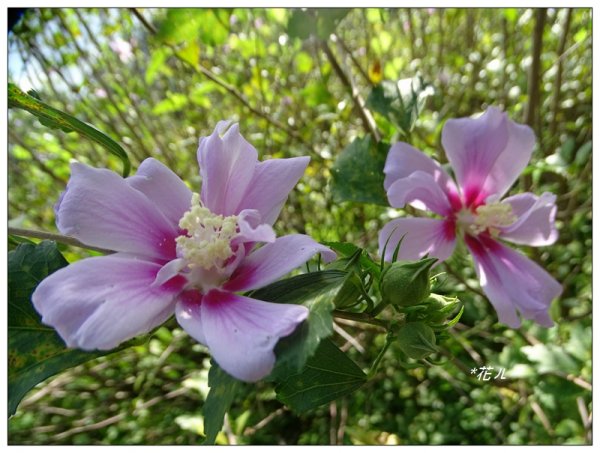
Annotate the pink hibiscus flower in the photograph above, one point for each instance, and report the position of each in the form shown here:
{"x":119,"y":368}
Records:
{"x":487,"y":155}
{"x":180,"y":253}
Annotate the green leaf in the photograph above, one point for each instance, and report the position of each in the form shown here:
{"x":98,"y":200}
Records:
{"x":214,"y":29}
{"x":300,"y":288}
{"x":179,"y":24}
{"x":56,"y":119}
{"x":320,"y":23}
{"x":316,"y":93}
{"x":347,"y":250}
{"x":357,"y":263}
{"x":358,"y":172}
{"x":328,"y":20}
{"x":14,"y":241}
{"x":52,"y":124}
{"x":190,"y":53}
{"x":583,"y":154}
{"x":173,"y":103}
{"x":511,"y":14}
{"x":567,"y":150}
{"x":300,"y":25}
{"x":211,"y":26}
{"x":328,"y":375}
{"x":400,"y":102}
{"x":223,"y":389}
{"x":304,"y":62}
{"x":551,"y":358}
{"x":316,"y":291}
{"x":35,"y":351}
{"x":580,"y":342}
{"x":157,"y":65}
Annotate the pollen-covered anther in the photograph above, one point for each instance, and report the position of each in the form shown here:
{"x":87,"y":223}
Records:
{"x":207,"y":243}
{"x":493,"y":216}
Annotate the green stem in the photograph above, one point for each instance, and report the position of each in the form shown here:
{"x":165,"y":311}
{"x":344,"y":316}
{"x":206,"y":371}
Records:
{"x":54,"y":237}
{"x":360,"y":317}
{"x":379,"y":308}
{"x":389,"y":339}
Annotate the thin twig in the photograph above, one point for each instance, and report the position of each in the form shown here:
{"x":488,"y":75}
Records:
{"x":264,"y":422}
{"x":354,"y":60}
{"x":228,"y":87}
{"x":533,"y":88}
{"x":359,"y":103}
{"x":343,"y":420}
{"x":124,"y":116}
{"x":143,"y":20}
{"x":132,"y":105}
{"x":349,"y":338}
{"x":231,"y":439}
{"x":54,"y":237}
{"x":117,"y":418}
{"x":566,"y":53}
{"x":559,"y":70}
{"x":41,"y":164}
{"x":542,"y":416}
{"x":360,"y":317}
{"x":353,"y":323}
{"x":577,"y":380}
{"x":91,"y":427}
{"x":586,"y":418}
{"x":332,"y":423}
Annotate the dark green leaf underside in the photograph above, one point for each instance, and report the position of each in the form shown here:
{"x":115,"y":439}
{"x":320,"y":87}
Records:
{"x":316,"y":291}
{"x":327,"y":375}
{"x":223,"y":389}
{"x":35,"y":351}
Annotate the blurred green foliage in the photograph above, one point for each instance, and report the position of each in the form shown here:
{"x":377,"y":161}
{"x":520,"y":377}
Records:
{"x":156,"y":85}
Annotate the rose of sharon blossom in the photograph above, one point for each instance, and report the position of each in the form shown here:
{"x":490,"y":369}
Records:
{"x":181,"y":253}
{"x":487,"y":155}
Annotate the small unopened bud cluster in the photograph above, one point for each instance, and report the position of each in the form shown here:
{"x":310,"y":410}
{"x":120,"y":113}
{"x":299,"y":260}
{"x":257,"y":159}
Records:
{"x":417,"y":340}
{"x":406,"y":283}
{"x":407,"y":287}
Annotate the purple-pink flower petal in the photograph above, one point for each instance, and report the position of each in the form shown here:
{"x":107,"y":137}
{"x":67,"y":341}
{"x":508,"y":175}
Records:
{"x":227,"y":166}
{"x":97,"y":303}
{"x":270,"y":185}
{"x":168,"y":271}
{"x":187,"y":312}
{"x":513,"y":282}
{"x":163,"y":187}
{"x":274,"y":260}
{"x":422,"y":236}
{"x":242,"y":332}
{"x":253,"y":228}
{"x":403,"y":160}
{"x":100,"y":209}
{"x":421,"y":191}
{"x":487,"y":153}
{"x":535,"y":219}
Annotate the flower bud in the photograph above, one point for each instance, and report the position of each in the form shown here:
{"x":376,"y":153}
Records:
{"x":406,"y":283}
{"x":417,"y":340}
{"x":349,"y":293}
{"x":439,"y":308}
